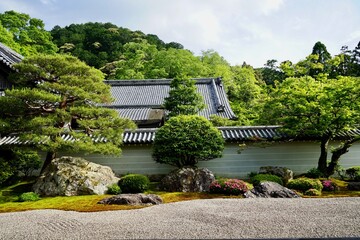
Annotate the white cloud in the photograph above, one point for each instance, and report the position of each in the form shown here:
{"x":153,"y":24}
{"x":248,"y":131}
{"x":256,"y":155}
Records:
{"x":240,"y":30}
{"x":47,"y":2}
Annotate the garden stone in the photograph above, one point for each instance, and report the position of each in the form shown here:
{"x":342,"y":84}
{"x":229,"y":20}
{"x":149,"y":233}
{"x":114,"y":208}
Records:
{"x":283,"y":172}
{"x":270,"y":190}
{"x":188,"y":179}
{"x":70,"y":176}
{"x":354,"y":186}
{"x":133,"y":199}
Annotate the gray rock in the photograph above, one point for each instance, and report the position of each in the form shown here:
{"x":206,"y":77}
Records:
{"x":188,"y":180}
{"x":283,"y":172}
{"x":270,"y":190}
{"x":354,"y":186}
{"x":133,"y":199}
{"x":69,"y":176}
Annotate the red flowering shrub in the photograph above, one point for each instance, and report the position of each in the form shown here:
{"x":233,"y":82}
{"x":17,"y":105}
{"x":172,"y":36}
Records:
{"x":228,"y":186}
{"x":328,"y":185}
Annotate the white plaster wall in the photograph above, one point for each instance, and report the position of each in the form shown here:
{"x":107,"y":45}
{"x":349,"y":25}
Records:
{"x":298,"y":156}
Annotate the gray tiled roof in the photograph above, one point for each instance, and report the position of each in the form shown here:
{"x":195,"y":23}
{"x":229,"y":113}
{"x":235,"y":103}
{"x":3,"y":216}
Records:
{"x":147,"y":135}
{"x":230,"y":134}
{"x":9,"y":56}
{"x":135,"y":98}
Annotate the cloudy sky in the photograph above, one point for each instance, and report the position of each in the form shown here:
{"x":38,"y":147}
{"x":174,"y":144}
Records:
{"x":240,"y":30}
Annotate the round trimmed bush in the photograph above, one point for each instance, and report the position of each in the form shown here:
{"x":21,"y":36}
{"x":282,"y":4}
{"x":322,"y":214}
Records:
{"x":304,"y":184}
{"x":314,"y":173}
{"x":134,"y":183}
{"x":29,"y":197}
{"x":257,"y":179}
{"x":353,"y":173}
{"x":113,"y":189}
{"x":228,"y":186}
{"x":185,"y":140}
{"x":312,"y":192}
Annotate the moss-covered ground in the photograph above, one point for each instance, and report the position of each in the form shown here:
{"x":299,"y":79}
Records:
{"x":9,"y":196}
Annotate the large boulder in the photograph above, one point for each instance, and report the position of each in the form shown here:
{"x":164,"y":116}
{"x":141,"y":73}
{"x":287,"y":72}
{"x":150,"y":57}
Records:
{"x":133,"y":199}
{"x":283,"y":172}
{"x":188,"y":179}
{"x":270,"y":190}
{"x":70,"y":176}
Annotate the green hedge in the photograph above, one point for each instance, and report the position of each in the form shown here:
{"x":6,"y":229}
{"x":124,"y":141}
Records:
{"x":134,"y":183}
{"x":304,"y":184}
{"x":257,"y":179}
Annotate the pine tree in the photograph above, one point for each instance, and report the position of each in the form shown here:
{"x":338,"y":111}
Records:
{"x":183,"y":98}
{"x":57,"y":95}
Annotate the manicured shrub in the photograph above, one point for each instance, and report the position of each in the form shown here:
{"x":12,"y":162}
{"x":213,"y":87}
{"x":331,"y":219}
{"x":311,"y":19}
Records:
{"x":134,"y":183}
{"x":228,"y":186}
{"x":252,"y":174}
{"x":353,"y":172}
{"x":314,"y":173}
{"x":304,"y":184}
{"x":113,"y":189}
{"x":357,"y":178}
{"x":29,"y":197}
{"x":328,"y":185}
{"x":257,"y":179}
{"x":312,"y":192}
{"x":186,"y":140}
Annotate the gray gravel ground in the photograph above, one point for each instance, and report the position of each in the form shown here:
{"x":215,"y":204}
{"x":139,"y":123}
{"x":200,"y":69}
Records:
{"x":216,"y":218}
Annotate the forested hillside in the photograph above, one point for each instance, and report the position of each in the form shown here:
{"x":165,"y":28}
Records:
{"x":122,"y":53}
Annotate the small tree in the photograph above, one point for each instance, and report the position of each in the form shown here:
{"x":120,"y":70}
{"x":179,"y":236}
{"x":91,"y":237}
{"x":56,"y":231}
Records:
{"x":186,"y":140}
{"x":183,"y":98}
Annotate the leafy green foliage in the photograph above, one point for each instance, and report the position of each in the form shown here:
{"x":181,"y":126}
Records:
{"x":134,"y":183}
{"x":113,"y":189}
{"x":314,"y":173}
{"x":6,"y":171}
{"x":17,"y":161}
{"x":228,"y":186}
{"x":246,"y":95}
{"x":29,"y":197}
{"x":353,"y":172}
{"x":271,"y":73}
{"x":183,"y":98}
{"x":312,"y":192}
{"x":141,"y":60}
{"x":259,"y":178}
{"x":56,"y":95}
{"x":24,"y":34}
{"x":98,"y":44}
{"x":185,"y":140}
{"x":304,"y":184}
{"x":317,"y":109}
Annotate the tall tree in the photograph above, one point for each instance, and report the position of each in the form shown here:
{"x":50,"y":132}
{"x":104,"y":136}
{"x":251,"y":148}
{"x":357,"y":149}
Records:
{"x":183,"y":98}
{"x":57,"y":95}
{"x":323,"y":56}
{"x":245,"y":95}
{"x":320,"y":50}
{"x":319,"y":109}
{"x":355,"y":60}
{"x":28,"y":33}
{"x":271,"y":72}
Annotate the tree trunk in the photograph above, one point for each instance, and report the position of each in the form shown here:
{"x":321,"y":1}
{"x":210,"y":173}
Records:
{"x":322,"y":163}
{"x":49,"y":157}
{"x":337,"y":153}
